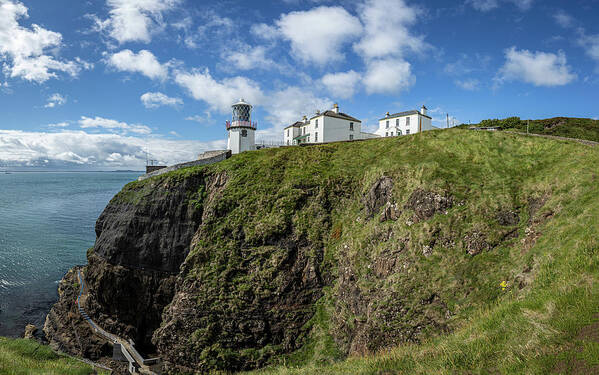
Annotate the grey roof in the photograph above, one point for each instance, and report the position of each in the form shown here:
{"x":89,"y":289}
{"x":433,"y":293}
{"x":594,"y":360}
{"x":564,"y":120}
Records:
{"x":295,"y":125}
{"x":337,"y":115}
{"x":406,"y":113}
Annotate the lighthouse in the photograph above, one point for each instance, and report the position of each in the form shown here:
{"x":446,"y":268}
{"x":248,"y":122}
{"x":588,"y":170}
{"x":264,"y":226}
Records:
{"x":241,"y":130}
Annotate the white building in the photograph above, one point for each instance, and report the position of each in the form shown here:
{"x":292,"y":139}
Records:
{"x":241,"y":130}
{"x":404,"y":123}
{"x":328,"y":126}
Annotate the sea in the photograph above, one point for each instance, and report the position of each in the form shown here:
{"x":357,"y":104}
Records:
{"x":47,"y":224}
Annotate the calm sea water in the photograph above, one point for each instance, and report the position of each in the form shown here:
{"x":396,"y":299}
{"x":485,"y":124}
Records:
{"x":46,"y":226}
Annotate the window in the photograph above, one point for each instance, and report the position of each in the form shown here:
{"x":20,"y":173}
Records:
{"x":387,"y":124}
{"x":288,"y":142}
{"x":386,"y":134}
{"x":316,"y":124}
{"x":407,"y":131}
{"x":304,"y":130}
{"x":308,"y":139}
{"x":407,"y":121}
{"x":244,"y":133}
{"x":392,"y":134}
{"x":351,"y":126}
{"x":316,"y":137}
{"x":397,"y":122}
{"x":288,"y":132}
{"x":351,"y":137}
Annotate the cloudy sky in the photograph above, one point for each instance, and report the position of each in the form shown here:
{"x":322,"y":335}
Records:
{"x":93,"y":84}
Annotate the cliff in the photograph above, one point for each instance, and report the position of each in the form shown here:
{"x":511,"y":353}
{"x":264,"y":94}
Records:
{"x":308,"y":255}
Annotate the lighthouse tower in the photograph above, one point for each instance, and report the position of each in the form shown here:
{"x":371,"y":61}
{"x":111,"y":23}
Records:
{"x":242,"y":131}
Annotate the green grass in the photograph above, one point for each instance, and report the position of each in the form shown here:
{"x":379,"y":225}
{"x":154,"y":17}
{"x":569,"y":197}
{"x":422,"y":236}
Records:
{"x":580,"y":128}
{"x":317,"y":193}
{"x":27,"y":357}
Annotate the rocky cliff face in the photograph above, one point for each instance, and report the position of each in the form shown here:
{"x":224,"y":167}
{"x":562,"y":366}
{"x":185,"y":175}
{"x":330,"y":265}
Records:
{"x":283,"y":254}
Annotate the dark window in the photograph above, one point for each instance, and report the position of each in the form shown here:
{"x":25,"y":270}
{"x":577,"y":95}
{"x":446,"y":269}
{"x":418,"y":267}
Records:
{"x":288,"y":142}
{"x":316,"y":137}
{"x":351,"y":126}
{"x":407,"y":131}
{"x":407,"y":121}
{"x":387,"y":124}
{"x":244,"y":133}
{"x":316,"y":124}
{"x":288,"y":132}
{"x":386,"y":134}
{"x":397,"y":122}
{"x":351,"y":137}
{"x":392,"y":134}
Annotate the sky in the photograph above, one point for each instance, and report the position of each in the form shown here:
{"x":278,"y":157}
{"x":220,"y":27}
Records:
{"x":95,"y":85}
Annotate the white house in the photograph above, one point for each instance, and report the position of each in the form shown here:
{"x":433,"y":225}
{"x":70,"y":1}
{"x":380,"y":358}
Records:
{"x":403,"y":123}
{"x":328,"y":126}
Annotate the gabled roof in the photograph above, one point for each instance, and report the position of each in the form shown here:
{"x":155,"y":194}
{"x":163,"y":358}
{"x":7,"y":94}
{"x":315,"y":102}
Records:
{"x":402,"y":114}
{"x":295,"y":125}
{"x":340,"y":115}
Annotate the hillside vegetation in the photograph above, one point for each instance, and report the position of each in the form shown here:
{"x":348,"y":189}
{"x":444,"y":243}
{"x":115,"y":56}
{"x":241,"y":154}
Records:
{"x":455,"y":250}
{"x":580,"y":128}
{"x":443,"y":252}
{"x":27,"y":357}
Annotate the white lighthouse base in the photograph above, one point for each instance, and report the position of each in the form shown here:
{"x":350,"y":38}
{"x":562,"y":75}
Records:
{"x":241,"y":139}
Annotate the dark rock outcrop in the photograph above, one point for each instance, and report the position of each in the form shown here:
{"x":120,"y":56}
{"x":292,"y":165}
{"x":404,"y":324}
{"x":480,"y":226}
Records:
{"x":426,"y":204}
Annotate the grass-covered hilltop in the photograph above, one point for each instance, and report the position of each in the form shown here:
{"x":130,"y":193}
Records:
{"x":443,"y":252}
{"x":580,"y":128}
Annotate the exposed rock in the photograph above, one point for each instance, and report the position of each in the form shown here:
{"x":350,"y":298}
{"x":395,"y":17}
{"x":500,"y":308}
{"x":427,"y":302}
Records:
{"x":378,"y":196}
{"x":390,"y":212}
{"x":476,"y":243}
{"x":507,"y":218}
{"x":30,"y":331}
{"x":426,"y":204}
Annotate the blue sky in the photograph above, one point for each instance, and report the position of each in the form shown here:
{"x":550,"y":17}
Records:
{"x":92,"y":84}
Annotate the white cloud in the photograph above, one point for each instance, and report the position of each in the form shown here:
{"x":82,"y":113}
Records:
{"x":24,"y":50}
{"x":59,"y":125}
{"x":117,"y":126}
{"x":388,"y":76}
{"x":590,"y":43}
{"x":205,"y":120}
{"x":487,"y":5}
{"x":250,"y":58}
{"x":537,"y":68}
{"x":319,"y":34}
{"x":67,"y":149}
{"x":387,"y":25}
{"x":143,"y":62}
{"x":470,"y":84}
{"x":135,"y":20}
{"x":289,"y":105}
{"x":265,"y":31}
{"x":55,"y":100}
{"x":219,"y":95}
{"x":342,"y":85}
{"x":157,"y":99}
{"x":563,"y":19}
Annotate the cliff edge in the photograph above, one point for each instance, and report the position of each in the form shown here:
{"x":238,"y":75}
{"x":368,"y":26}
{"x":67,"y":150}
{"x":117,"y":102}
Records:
{"x":308,"y":255}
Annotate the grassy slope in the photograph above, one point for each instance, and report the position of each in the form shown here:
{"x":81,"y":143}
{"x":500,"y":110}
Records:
{"x":581,"y":128}
{"x":532,"y":329}
{"x":26,"y":357}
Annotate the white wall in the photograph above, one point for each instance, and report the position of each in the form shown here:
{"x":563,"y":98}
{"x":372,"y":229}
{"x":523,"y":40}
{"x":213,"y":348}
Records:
{"x":291,"y":133}
{"x":237,"y":143}
{"x":336,"y":129}
{"x":413,"y":127}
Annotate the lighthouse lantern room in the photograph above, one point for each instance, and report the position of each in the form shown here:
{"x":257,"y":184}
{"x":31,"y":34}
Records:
{"x":241,"y":130}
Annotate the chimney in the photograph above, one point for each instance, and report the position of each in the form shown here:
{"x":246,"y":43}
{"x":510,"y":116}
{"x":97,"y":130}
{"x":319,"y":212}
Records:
{"x":336,"y":108}
{"x":305,"y":119}
{"x":423,"y":110}
{"x":317,"y":112}
{"x":387,"y":114}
